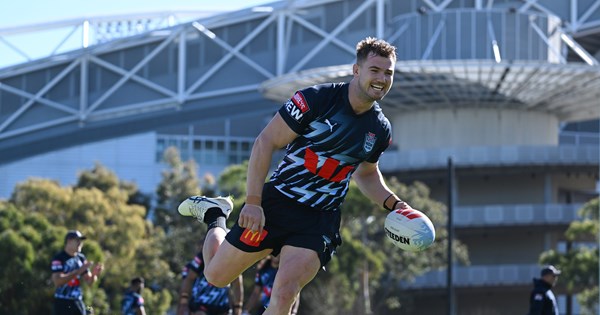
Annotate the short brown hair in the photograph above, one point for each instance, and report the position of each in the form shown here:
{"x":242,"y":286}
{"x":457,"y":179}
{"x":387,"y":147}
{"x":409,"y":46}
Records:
{"x":376,"y":46}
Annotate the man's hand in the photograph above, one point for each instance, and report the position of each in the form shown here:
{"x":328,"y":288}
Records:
{"x":252,"y":217}
{"x":402,"y":205}
{"x":98,"y":268}
{"x":182,"y":306}
{"x":84,"y":267}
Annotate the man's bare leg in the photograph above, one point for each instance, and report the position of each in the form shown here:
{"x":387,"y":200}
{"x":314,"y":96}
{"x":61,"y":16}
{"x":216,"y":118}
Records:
{"x":297,"y":267}
{"x":228,"y":262}
{"x":214,"y":239}
{"x":223,"y":262}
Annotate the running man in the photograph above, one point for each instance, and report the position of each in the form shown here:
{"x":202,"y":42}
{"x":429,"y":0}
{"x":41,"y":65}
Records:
{"x":332,"y":132}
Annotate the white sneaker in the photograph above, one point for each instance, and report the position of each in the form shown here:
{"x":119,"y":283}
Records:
{"x":196,"y":206}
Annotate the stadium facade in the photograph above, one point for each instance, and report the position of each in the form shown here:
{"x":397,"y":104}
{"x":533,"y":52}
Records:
{"x":508,"y":89}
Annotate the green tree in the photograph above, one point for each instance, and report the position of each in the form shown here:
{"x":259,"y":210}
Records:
{"x":179,"y":181}
{"x":26,"y":243}
{"x":579,"y":264}
{"x":119,"y":235}
{"x":180,"y":234}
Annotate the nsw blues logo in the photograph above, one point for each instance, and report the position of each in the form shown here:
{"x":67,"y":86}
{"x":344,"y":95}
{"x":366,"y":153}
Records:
{"x":369,"y":142}
{"x":297,"y":106}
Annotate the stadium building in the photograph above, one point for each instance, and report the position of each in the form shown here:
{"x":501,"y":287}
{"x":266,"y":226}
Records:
{"x":509,"y":90}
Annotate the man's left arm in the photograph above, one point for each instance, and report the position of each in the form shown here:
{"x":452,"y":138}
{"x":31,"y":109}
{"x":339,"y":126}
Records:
{"x":91,"y":277}
{"x":140,"y":310}
{"x":371,"y":184}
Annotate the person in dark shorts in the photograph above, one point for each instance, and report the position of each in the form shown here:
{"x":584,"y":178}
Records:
{"x":333,"y":132}
{"x":133,"y":302}
{"x":198,"y":297}
{"x":69,"y":268}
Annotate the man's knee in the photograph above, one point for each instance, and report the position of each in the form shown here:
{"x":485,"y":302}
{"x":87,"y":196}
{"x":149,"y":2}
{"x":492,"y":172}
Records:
{"x":286,"y":294}
{"x":215,"y":278}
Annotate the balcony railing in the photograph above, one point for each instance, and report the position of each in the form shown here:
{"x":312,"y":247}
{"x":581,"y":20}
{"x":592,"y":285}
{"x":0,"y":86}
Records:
{"x":422,"y":159}
{"x":578,"y":138}
{"x":478,"y":276}
{"x":519,"y":214}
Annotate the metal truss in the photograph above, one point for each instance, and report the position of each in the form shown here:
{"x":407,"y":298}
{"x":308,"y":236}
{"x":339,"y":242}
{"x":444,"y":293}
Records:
{"x":432,"y":82}
{"x":84,"y":32}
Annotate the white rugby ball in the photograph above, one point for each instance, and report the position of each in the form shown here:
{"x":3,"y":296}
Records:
{"x":409,"y":229}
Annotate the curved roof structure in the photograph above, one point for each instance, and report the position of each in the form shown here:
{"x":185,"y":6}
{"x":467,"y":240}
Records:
{"x":570,"y":91}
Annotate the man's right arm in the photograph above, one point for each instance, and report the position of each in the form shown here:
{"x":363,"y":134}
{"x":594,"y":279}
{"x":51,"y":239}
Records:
{"x":184,"y":292}
{"x":253,"y":300}
{"x":62,"y":278}
{"x":276,"y":135}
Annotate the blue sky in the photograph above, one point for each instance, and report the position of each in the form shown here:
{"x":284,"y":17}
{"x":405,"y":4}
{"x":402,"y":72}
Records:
{"x":24,"y":12}
{"x":18,"y":13}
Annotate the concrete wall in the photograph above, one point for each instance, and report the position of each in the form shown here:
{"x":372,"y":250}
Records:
{"x":573,"y":186}
{"x":463,"y":127}
{"x":132,"y":158}
{"x":494,"y":246}
{"x":501,"y":189}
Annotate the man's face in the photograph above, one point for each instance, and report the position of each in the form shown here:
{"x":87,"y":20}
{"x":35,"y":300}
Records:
{"x":375,"y":76}
{"x":76,"y":244}
{"x":554,"y":280}
{"x":551,"y":279}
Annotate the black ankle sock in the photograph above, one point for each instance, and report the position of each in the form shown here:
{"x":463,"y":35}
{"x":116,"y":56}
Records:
{"x":218,"y":222}
{"x":212,"y":214}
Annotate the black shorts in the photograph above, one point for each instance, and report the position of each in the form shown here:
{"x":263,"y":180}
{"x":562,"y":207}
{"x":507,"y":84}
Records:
{"x":288,"y":222}
{"x":69,"y":307}
{"x":208,"y":309}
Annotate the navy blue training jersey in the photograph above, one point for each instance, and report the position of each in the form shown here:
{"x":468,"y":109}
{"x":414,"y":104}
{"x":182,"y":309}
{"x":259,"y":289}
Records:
{"x":205,"y":294}
{"x":63,"y":262}
{"x":265,"y":279}
{"x":333,"y":141}
{"x":132,"y":301}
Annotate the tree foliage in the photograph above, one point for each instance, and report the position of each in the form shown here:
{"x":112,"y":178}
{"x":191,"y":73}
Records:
{"x":179,"y":181}
{"x":579,"y":263}
{"x":118,"y":234}
{"x":26,"y":243}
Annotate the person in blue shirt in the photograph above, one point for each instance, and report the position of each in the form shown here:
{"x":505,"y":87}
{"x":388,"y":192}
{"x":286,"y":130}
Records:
{"x":133,"y":302}
{"x":69,"y":268}
{"x":198,"y":297}
{"x":263,"y":285}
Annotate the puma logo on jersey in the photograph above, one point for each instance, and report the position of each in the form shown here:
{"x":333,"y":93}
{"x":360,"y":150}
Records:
{"x":330,"y":125}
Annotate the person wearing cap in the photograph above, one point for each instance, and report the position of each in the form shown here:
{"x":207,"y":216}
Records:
{"x":542,"y":300}
{"x":69,"y":268}
{"x":133,"y":302}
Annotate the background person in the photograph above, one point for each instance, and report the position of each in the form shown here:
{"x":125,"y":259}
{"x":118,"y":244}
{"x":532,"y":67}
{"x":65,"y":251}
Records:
{"x":542,"y":300}
{"x":69,"y":268}
{"x":133,"y":302}
{"x":263,"y":285}
{"x":198,"y":297}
